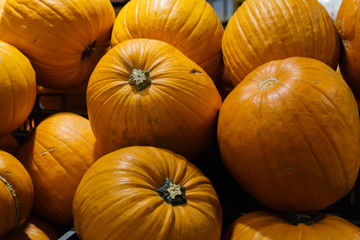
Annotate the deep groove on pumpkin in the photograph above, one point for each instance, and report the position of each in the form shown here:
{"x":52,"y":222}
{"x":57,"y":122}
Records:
{"x":16,"y":200}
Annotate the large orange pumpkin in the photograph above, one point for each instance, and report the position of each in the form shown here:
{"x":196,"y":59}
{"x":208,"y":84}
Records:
{"x":57,"y":155}
{"x":34,"y":228}
{"x":264,"y":30}
{"x":192,"y":26}
{"x":18,"y":88}
{"x":289,"y":134}
{"x":262,"y":225}
{"x":63,"y":39}
{"x":146,"y":193}
{"x":347,"y":24}
{"x":16,"y":193}
{"x":146,"y":92}
{"x":8,"y":143}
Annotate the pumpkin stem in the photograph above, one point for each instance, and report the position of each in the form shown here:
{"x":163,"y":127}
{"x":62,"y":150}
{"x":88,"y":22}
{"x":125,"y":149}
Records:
{"x":296,"y":218}
{"x":172,"y":193}
{"x":16,"y":200}
{"x":268,"y":83}
{"x":140,"y":79}
{"x":88,"y":50}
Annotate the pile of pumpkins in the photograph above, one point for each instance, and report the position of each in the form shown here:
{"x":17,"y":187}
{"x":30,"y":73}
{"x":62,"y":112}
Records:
{"x":162,"y":82}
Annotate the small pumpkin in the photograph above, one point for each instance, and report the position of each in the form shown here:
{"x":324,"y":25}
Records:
{"x":264,"y":30}
{"x":9,"y":144}
{"x":261,"y":225}
{"x":146,"y":92}
{"x":34,"y":228}
{"x":16,"y":193}
{"x":64,"y":40}
{"x":192,"y":26}
{"x":346,"y":23}
{"x":146,"y":193}
{"x":289,"y":134}
{"x":18,"y":88}
{"x":60,"y":150}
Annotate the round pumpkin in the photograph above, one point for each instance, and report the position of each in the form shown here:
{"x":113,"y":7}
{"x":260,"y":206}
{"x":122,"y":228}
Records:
{"x":16,"y":193}
{"x":9,"y":144}
{"x":346,"y":23}
{"x":192,"y":26}
{"x":59,"y":152}
{"x":63,"y":39}
{"x":34,"y":228}
{"x":18,"y":88}
{"x":146,"y":193}
{"x":261,"y":225}
{"x":146,"y":92}
{"x":289,"y":134}
{"x":264,"y":30}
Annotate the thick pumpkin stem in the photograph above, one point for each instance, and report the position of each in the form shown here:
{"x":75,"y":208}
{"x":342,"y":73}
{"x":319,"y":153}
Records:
{"x":88,"y":50}
{"x":296,"y":218}
{"x":172,"y":193}
{"x":268,"y":83}
{"x":140,"y":79}
{"x":16,"y":200}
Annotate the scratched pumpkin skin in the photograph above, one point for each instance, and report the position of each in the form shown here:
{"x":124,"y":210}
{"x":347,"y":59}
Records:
{"x":59,"y":152}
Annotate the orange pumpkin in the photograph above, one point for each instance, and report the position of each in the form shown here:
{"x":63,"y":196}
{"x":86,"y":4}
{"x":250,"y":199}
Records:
{"x":57,"y":155}
{"x":146,"y":193}
{"x":264,"y":30}
{"x":63,"y":39}
{"x":347,"y":24}
{"x":289,"y":134}
{"x":16,"y":193}
{"x":9,"y":144}
{"x":146,"y":92}
{"x":34,"y":228}
{"x":18,"y":88}
{"x":262,"y":225}
{"x":192,"y":26}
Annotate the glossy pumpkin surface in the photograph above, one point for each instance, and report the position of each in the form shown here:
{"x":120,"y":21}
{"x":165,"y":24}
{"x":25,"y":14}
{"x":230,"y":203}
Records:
{"x":120,"y":193}
{"x":18,"y":88}
{"x":16,"y":193}
{"x":347,"y":24}
{"x":63,"y":39}
{"x":175,"y":106}
{"x":264,"y":30}
{"x":34,"y":228}
{"x":192,"y":26}
{"x":269,"y":226}
{"x":59,"y":152}
{"x":289,"y":134}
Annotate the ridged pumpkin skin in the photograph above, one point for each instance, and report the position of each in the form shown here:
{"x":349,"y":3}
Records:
{"x":289,"y":134}
{"x":265,"y":30}
{"x":347,"y":24}
{"x":119,"y":194}
{"x":178,"y":110}
{"x":63,"y":39}
{"x":269,"y":226}
{"x":18,"y":88}
{"x":192,"y":26}
{"x":34,"y":228}
{"x":59,"y":152}
{"x":16,"y":193}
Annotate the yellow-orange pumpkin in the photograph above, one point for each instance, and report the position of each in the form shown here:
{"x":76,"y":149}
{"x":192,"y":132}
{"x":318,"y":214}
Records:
{"x":262,"y":225}
{"x":347,"y":20}
{"x":16,"y":193}
{"x":264,"y":30}
{"x":63,"y":39}
{"x":146,"y":92}
{"x":192,"y":26}
{"x":59,"y":152}
{"x":146,"y":193}
{"x":289,"y":134}
{"x":18,"y":88}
